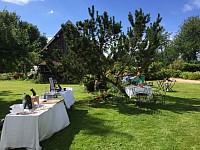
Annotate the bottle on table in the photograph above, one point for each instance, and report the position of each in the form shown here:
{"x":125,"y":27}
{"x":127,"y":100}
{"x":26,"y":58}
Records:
{"x":24,"y":100}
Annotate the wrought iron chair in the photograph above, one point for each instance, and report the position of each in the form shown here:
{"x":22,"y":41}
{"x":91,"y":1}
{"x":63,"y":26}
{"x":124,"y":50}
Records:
{"x":170,"y":84}
{"x":159,"y":92}
{"x":142,"y":97}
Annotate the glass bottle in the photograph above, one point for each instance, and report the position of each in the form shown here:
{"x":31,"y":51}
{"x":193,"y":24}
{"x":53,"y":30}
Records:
{"x":24,"y":100}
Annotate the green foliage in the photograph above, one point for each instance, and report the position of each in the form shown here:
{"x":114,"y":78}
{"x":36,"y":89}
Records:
{"x":187,"y":41}
{"x":167,"y":73}
{"x":88,"y":82}
{"x":6,"y":76}
{"x":178,"y":64}
{"x":191,"y":67}
{"x":99,"y":47}
{"x":19,"y":40}
{"x":153,"y":69}
{"x":190,"y":75}
{"x":156,"y":71}
{"x":162,"y":74}
{"x":143,"y":40}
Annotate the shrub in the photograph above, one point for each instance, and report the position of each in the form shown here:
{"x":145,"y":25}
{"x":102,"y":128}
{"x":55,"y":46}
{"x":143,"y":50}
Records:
{"x":153,"y":69}
{"x":165,"y":73}
{"x":190,"y":75}
{"x":178,"y":64}
{"x":88,"y":82}
{"x":188,"y":67}
{"x":5,"y":76}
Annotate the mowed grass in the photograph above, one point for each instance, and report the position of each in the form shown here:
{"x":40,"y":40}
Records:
{"x":118,"y":124}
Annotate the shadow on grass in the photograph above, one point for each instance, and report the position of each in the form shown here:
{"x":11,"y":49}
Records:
{"x":180,"y":105}
{"x":5,"y":104}
{"x":80,"y":121}
{"x":124,"y":105}
{"x":64,"y":138}
{"x":5,"y":93}
{"x":128,"y":106}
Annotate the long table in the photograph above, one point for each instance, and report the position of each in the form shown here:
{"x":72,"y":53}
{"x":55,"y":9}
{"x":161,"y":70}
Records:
{"x":67,"y":95}
{"x":28,"y":130}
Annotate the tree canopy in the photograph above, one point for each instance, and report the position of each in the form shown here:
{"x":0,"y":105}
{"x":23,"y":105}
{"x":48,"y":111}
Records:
{"x":20,"y":42}
{"x":102,"y":49}
{"x":187,"y":41}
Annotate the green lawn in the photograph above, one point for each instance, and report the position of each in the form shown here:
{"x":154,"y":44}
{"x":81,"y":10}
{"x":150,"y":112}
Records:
{"x":120,"y":124}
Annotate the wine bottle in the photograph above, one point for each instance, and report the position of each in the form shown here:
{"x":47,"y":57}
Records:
{"x":33,"y":91}
{"x":24,"y":100}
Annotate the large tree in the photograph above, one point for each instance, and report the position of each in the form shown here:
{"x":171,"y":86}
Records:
{"x":13,"y":40}
{"x":20,"y":42}
{"x":99,"y":47}
{"x":187,"y":41}
{"x":144,"y":40}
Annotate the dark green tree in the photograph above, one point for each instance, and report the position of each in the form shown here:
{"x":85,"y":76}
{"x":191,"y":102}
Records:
{"x":98,"y":46}
{"x":144,"y":40}
{"x":187,"y":41}
{"x":163,"y":51}
{"x":94,"y":45}
{"x":20,"y":42}
{"x":13,"y":41}
{"x":35,"y":43}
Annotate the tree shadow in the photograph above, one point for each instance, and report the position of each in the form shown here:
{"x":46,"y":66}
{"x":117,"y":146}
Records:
{"x":64,"y":138}
{"x":180,"y":105}
{"x":5,"y":93}
{"x":130,"y":107}
{"x":124,"y":105}
{"x":80,"y":120}
{"x":5,"y":104}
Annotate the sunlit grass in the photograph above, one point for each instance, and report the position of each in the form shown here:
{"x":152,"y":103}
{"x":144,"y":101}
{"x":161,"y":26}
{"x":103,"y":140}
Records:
{"x":118,"y":123}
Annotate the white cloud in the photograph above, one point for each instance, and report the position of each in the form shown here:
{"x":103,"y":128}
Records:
{"x":51,"y":12}
{"x":49,"y":37}
{"x":191,"y":5}
{"x":196,"y":3}
{"x":20,"y":2}
{"x":187,"y":7}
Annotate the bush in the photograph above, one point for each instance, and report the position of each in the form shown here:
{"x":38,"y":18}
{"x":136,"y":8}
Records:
{"x":165,"y":73}
{"x":178,"y":64}
{"x":153,"y":69}
{"x":190,"y":75}
{"x":5,"y":76}
{"x":188,"y":67}
{"x":88,"y":82}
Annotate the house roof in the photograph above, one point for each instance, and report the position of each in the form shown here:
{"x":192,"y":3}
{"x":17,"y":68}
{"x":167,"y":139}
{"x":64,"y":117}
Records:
{"x":57,"y":35}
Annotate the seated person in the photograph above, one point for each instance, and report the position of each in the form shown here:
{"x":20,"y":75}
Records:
{"x":126,"y":78}
{"x":139,"y":79}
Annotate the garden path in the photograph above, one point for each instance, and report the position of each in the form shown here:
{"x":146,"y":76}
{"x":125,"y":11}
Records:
{"x":179,"y":80}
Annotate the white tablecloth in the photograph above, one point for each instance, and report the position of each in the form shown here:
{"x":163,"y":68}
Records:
{"x":133,"y":90}
{"x":27,"y":130}
{"x":68,"y":97}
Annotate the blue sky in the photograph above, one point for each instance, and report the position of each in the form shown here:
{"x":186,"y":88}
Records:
{"x":48,"y":15}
